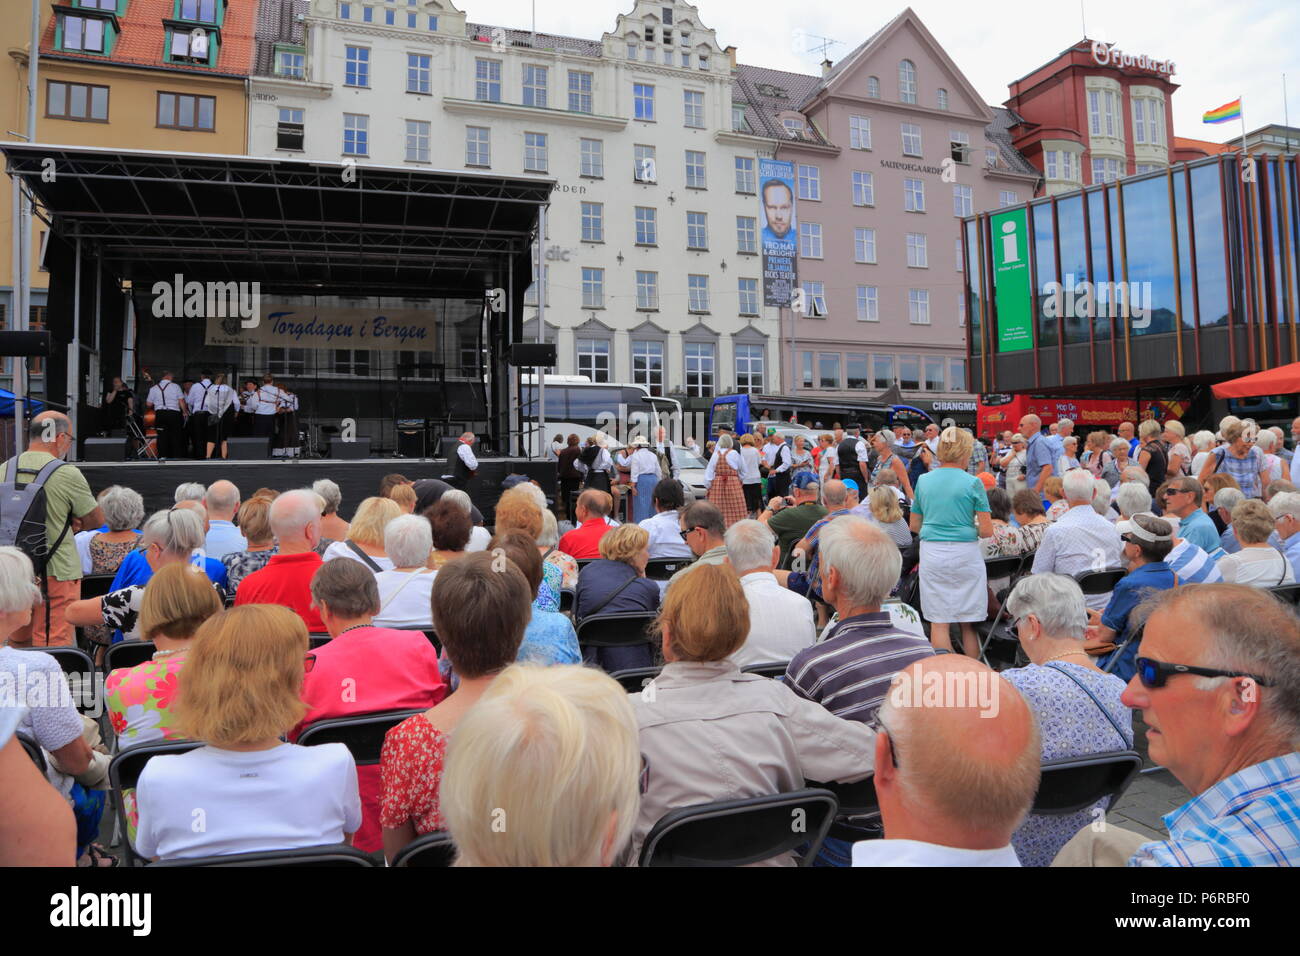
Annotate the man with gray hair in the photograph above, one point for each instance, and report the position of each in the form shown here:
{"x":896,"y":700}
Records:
{"x":780,"y":621}
{"x":222,"y":503}
{"x":1285,"y":508}
{"x":188,"y":491}
{"x":849,"y":672}
{"x":1218,"y":685}
{"x":1080,"y":540}
{"x":1225,"y":499}
{"x":286,"y":579}
{"x":955,"y":772}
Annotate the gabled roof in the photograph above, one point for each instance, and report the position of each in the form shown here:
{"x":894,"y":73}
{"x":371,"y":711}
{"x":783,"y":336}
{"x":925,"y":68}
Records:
{"x":277,"y":22}
{"x":857,"y":51}
{"x":998,"y":133}
{"x":769,"y":93}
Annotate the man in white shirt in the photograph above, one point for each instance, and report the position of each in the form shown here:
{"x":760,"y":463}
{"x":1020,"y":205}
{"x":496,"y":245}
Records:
{"x":197,"y":401}
{"x":168,"y":403}
{"x":780,"y":621}
{"x":463,"y":463}
{"x":269,"y":397}
{"x":664,"y":526}
{"x":929,"y":451}
{"x":976,"y":729}
{"x":222,"y":502}
{"x":776,"y":454}
{"x":1295,"y":457}
{"x":1081,"y":539}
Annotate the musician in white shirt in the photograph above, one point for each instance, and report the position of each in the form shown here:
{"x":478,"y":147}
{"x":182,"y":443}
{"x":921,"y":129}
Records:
{"x":168,"y":403}
{"x":197,"y":426}
{"x":643,"y":465}
{"x":219,"y":404}
{"x":269,"y":397}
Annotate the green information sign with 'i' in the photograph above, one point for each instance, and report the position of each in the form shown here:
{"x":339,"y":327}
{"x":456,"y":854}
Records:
{"x":1015,"y":321}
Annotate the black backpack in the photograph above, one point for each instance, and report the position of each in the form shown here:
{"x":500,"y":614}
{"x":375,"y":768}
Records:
{"x":23,"y":513}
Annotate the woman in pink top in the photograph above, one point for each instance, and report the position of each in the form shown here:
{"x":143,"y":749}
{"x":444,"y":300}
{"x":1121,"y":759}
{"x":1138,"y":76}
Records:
{"x":480,"y":614}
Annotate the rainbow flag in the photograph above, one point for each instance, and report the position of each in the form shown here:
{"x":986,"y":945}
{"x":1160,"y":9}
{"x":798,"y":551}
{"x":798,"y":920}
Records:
{"x":1226,"y":112}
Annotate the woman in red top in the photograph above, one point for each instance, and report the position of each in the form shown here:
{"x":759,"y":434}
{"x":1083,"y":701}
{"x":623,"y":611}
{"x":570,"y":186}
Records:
{"x":480,"y":615}
{"x":726,"y":492}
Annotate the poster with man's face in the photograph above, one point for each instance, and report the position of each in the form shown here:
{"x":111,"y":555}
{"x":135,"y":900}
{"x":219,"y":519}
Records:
{"x":780,"y":230}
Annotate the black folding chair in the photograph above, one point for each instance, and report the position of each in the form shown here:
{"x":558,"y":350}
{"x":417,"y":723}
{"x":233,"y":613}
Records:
{"x":740,"y":832}
{"x":432,"y":849}
{"x":124,"y":773}
{"x":96,"y":585}
{"x":82,"y":676}
{"x":567,"y":597}
{"x":661,"y":569}
{"x":1099,"y":582}
{"x":317,"y":640}
{"x":634,"y":679}
{"x":773,"y":669}
{"x":33,"y":750}
{"x":625,"y":629}
{"x":1287,"y":593}
{"x":858,"y":816}
{"x":1071,"y":784}
{"x":362,"y":734}
{"x":427,"y":632}
{"x":128,"y":654}
{"x":339,"y":854}
{"x":1008,"y":567}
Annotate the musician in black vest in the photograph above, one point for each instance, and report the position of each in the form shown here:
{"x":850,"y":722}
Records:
{"x":168,"y":403}
{"x":198,"y":423}
{"x":779,"y":461}
{"x":462,"y":462}
{"x":851,"y":453}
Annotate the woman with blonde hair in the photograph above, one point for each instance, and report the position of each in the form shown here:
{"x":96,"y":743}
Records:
{"x":241,"y":692}
{"x":1152,"y":454}
{"x":883,"y":509}
{"x":255,"y":526}
{"x":751,"y":478}
{"x":723,"y":478}
{"x":517,"y":510}
{"x":1054,"y":492}
{"x":616,"y":583}
{"x":952,"y":513}
{"x":1258,"y":563}
{"x":709,"y":732}
{"x":365,"y":540}
{"x":1239,"y":457}
{"x":571,"y":734}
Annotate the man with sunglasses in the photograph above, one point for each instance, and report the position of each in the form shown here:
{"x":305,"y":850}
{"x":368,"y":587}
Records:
{"x":1218,"y":684}
{"x":1183,"y":497}
{"x":1285,"y":508}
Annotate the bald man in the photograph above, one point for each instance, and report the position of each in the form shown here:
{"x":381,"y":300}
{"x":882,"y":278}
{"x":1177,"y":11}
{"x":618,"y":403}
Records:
{"x":957,"y":766}
{"x":69,"y":507}
{"x":222,"y":502}
{"x":286,"y":579}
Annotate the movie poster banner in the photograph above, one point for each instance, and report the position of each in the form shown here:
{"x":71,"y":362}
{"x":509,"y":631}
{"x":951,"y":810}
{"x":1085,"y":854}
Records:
{"x":329,"y":327}
{"x":780,"y":230}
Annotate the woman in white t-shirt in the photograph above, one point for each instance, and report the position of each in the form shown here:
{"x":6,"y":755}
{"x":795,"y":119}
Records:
{"x":241,"y":691}
{"x":405,"y":593}
{"x":1258,"y":563}
{"x":365,"y":540}
{"x":750,"y":477}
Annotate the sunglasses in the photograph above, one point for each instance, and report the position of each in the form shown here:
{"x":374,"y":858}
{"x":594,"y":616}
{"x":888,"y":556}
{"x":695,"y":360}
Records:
{"x":1155,"y":673}
{"x":878,"y":725}
{"x":309,"y":663}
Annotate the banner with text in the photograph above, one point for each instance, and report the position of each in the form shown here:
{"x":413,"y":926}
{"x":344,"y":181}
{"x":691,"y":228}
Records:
{"x":1015,"y":322}
{"x":308,"y":327}
{"x":780,"y":230}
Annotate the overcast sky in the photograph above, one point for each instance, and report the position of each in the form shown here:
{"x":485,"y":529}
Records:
{"x":1222,"y":50}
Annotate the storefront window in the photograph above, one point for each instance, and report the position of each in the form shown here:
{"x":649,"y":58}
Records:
{"x":1150,"y":257}
{"x":1100,"y":264}
{"x":1075,"y":311}
{"x":1211,"y":283}
{"x":1044,"y":270}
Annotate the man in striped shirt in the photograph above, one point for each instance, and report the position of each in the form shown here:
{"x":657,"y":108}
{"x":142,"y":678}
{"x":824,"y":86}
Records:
{"x":849,"y":673}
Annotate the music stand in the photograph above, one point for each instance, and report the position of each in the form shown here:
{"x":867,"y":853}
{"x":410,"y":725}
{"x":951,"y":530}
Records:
{"x":142,"y":449}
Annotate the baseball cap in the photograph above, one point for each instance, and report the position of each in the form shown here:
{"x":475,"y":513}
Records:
{"x":850,"y":484}
{"x":805,"y":480}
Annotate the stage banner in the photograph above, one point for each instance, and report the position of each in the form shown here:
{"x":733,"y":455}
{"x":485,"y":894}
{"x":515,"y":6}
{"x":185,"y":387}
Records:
{"x":307,"y":327}
{"x":1015,"y":323}
{"x":780,"y":230}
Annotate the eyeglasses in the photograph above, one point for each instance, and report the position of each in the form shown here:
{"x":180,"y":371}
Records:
{"x":878,"y":725}
{"x":687,"y":532}
{"x":1154,"y":673}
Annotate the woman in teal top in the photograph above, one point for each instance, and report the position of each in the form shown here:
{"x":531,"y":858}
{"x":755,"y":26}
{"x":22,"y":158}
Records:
{"x":951,"y":514}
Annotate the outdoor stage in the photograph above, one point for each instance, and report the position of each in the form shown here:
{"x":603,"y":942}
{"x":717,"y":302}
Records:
{"x":156,"y":481}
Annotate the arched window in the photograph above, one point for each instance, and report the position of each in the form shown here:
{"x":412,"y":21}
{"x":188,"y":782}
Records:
{"x":873,"y":87}
{"x":943,"y":98}
{"x":906,"y":82}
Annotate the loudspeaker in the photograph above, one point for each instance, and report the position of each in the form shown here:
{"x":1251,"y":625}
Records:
{"x":251,"y":448}
{"x":27,"y":343}
{"x":352,"y":450}
{"x":411,"y":444}
{"x":104,"y":449}
{"x":533,"y":353}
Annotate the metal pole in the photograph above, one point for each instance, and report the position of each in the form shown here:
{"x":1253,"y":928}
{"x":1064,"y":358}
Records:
{"x":74,"y":351}
{"x":15,"y":308}
{"x":541,"y":327}
{"x":24,"y":212}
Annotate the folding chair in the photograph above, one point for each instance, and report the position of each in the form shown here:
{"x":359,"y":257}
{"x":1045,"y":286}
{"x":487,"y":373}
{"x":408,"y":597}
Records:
{"x":740,"y":832}
{"x":1008,"y":567}
{"x":33,"y":750}
{"x":567,"y":598}
{"x":858,"y":816}
{"x":615,"y":630}
{"x":432,"y":849}
{"x":96,"y":585}
{"x":1114,"y":656}
{"x":333,"y":855}
{"x":1287,"y":593}
{"x":634,"y":679}
{"x":362,"y":734}
{"x":317,"y":640}
{"x":773,"y":669}
{"x":79,"y":669}
{"x":661,"y":569}
{"x":1100,"y":582}
{"x":128,"y":654}
{"x":124,"y":773}
{"x":1071,"y":784}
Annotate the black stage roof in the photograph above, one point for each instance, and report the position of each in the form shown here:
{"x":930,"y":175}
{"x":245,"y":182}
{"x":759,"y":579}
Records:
{"x":307,"y":228}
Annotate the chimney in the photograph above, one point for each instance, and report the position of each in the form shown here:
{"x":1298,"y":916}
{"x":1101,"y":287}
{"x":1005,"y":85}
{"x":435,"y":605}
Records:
{"x":731,"y":55}
{"x":826,"y":66}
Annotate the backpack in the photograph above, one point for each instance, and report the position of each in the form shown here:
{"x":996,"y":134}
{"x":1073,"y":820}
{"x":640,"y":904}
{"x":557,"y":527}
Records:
{"x":23,"y":513}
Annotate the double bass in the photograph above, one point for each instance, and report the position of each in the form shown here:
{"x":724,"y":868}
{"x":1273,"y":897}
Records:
{"x":149,"y":418}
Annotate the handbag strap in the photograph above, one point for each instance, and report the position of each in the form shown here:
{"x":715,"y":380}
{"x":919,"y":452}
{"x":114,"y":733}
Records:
{"x":615,"y":593}
{"x":1105,"y":713}
{"x":365,"y":558}
{"x":409,"y":578}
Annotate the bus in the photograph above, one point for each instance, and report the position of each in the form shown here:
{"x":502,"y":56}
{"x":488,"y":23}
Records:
{"x":575,"y":405}
{"x":740,"y":412}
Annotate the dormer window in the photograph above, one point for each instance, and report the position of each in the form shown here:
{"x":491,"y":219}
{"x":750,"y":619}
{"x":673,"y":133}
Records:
{"x":189,"y":46}
{"x":85,"y":34}
{"x":667,"y":18}
{"x":793,"y":127}
{"x":199,"y":11}
{"x":649,"y":33}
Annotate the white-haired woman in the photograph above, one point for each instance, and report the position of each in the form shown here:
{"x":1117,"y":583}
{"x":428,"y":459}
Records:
{"x":404,"y":592}
{"x":1202,"y":446}
{"x":1113,"y":470}
{"x":1266,"y":442}
{"x":123,"y":512}
{"x":722,"y":478}
{"x":1077,"y":705}
{"x":1132,"y":498}
{"x":1101,"y":498}
{"x":332,"y":525}
{"x":478,"y":535}
{"x":1069,"y":459}
{"x":951,"y":513}
{"x":571,"y":733}
{"x":1257,"y":563}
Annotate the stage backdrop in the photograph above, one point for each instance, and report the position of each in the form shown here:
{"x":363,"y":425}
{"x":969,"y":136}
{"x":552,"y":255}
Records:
{"x":329,"y":327}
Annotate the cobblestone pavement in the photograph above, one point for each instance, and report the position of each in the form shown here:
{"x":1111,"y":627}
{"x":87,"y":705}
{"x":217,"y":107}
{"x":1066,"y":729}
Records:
{"x":1151,"y":795}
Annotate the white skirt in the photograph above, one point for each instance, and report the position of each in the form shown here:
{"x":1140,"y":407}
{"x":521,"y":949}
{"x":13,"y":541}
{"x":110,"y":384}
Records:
{"x":954,"y":589}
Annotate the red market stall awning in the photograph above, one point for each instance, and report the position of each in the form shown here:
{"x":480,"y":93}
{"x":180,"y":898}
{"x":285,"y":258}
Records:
{"x":1282,"y":380}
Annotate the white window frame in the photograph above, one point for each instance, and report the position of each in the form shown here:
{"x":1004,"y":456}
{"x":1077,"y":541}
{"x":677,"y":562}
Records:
{"x":863,"y":188}
{"x":592,"y":158}
{"x":476,"y":146}
{"x":911,"y":131}
{"x":867,"y":299}
{"x":810,"y":182}
{"x":697,"y":299}
{"x":536,"y":152}
{"x":859,"y":132}
{"x":918,"y":307}
{"x":810,"y":240}
{"x":864,"y":245}
{"x":697,"y":231}
{"x":913,"y":195}
{"x":918,"y":254}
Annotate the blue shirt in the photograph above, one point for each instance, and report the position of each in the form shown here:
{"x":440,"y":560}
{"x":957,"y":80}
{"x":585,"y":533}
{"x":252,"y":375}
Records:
{"x":1037,"y":454}
{"x":1291,"y":548}
{"x":1057,"y":444}
{"x":1193,"y":565}
{"x":134,"y":569}
{"x":550,"y":639}
{"x":1198,"y":528}
{"x":1127,"y":595}
{"x":1247,"y":819}
{"x":223,"y":539}
{"x":947,"y":500}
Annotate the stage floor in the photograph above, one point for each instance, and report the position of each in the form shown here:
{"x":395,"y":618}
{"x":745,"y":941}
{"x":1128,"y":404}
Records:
{"x":156,"y":481}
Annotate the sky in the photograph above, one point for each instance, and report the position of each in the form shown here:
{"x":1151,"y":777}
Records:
{"x":1221,"y":50}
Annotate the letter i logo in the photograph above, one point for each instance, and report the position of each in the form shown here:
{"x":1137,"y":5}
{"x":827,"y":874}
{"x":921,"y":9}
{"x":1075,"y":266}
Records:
{"x":1010,"y":247}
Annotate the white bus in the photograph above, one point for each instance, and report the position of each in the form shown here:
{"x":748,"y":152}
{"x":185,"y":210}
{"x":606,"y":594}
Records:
{"x":575,"y":405}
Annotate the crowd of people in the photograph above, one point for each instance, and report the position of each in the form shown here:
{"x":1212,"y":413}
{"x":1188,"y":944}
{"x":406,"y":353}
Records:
{"x":1149,"y":590}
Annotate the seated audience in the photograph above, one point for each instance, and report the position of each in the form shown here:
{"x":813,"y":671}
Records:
{"x":1190,"y":563}
{"x":255,"y":524}
{"x":332,"y":525}
{"x":480,"y":614}
{"x":1006,"y":540}
{"x":838,"y":500}
{"x":664,"y":525}
{"x":790,"y":522}
{"x":1031,"y":518}
{"x":107,"y":547}
{"x":240,"y":692}
{"x":709,"y":732}
{"x":404,"y":591}
{"x":1258,"y":563}
{"x":955,"y":778}
{"x":429,"y":491}
{"x":405,"y":498}
{"x":37,"y":827}
{"x":1183,"y":500}
{"x":1225,"y":500}
{"x":1077,"y":706}
{"x":550,"y":638}
{"x":189,"y":491}
{"x":517,"y":510}
{"x":451,"y":528}
{"x":391,"y":481}
{"x":593,"y":508}
{"x":1101,"y":502}
{"x":882,"y":509}
{"x":571,"y":734}
{"x":134,"y":569}
{"x":1132,"y":498}
{"x":548,"y":542}
{"x":478,"y":535}
{"x":286,"y":579}
{"x":780,"y":621}
{"x":1053,"y":491}
{"x":380,"y":668}
{"x":365,"y":537}
{"x":222,"y":504}
{"x":616,"y":584}
{"x":703,"y":529}
{"x":1285,"y":509}
{"x":1080,"y":540}
{"x":1217,"y":681}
